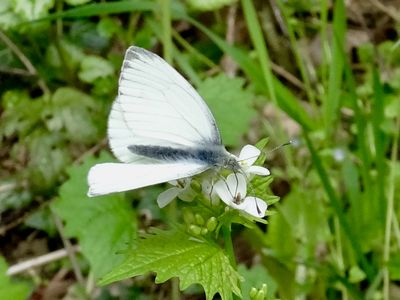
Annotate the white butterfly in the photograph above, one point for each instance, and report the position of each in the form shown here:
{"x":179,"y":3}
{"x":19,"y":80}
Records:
{"x":159,"y":128}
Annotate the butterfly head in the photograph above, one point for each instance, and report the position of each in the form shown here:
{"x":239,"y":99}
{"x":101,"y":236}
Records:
{"x":231,"y":163}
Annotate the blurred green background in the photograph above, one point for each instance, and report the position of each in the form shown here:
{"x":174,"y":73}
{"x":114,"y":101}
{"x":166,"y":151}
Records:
{"x":325,"y":74}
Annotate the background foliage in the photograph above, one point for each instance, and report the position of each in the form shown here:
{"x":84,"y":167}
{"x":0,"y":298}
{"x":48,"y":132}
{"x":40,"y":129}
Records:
{"x":322,"y":73}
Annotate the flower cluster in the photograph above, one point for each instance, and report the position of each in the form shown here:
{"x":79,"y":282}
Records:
{"x":232,"y":190}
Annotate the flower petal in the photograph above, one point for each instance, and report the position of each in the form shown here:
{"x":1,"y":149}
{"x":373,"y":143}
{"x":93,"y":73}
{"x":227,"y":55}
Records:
{"x":173,"y":182}
{"x":167,"y":196}
{"x":254,"y":206}
{"x":258,"y":170}
{"x":237,"y":185}
{"x":221,"y":188}
{"x":187,"y":194}
{"x":249,"y":154}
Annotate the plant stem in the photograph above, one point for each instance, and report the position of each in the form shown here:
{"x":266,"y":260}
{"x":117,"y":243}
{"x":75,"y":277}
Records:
{"x":226,"y":233}
{"x":172,"y":214}
{"x":166,"y":25}
{"x":25,"y":61}
{"x":70,"y":251}
{"x":389,"y":213}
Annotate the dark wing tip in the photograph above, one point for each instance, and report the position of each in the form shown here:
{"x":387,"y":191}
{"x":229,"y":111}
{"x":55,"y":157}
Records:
{"x":135,"y":52}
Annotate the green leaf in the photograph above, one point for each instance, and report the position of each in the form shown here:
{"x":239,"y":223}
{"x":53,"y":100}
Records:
{"x":8,"y":18}
{"x":394,"y":266}
{"x":206,"y":5}
{"x":10,"y":289}
{"x":13,"y":12}
{"x":30,"y":10}
{"x":20,"y":113}
{"x":331,"y":104}
{"x":230,"y":103}
{"x":103,"y":225}
{"x":77,"y":2}
{"x":174,"y":254}
{"x":68,"y":53}
{"x":71,"y":110}
{"x":103,"y":8}
{"x":47,"y":158}
{"x":94,"y":67}
{"x":356,"y":274}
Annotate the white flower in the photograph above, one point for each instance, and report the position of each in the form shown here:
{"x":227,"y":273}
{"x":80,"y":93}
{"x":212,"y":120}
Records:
{"x":181,"y":189}
{"x":233,"y":192}
{"x":247,"y":157}
{"x":339,"y":154}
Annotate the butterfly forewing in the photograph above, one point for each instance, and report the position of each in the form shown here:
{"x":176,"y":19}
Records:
{"x":157,"y":106}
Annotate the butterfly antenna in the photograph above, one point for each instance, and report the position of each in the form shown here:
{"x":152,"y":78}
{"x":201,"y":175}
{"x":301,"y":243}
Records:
{"x":281,"y":145}
{"x":291,"y":142}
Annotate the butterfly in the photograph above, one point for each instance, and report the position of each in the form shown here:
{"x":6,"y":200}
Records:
{"x":159,"y":128}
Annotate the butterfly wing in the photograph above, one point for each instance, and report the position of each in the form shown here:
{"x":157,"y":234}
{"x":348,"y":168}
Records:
{"x":109,"y":178}
{"x":156,"y":106}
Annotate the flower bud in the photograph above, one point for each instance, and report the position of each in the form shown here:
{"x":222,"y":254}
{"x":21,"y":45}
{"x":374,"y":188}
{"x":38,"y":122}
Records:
{"x":264,"y":288}
{"x":253,"y":293}
{"x":199,"y":219}
{"x":204,"y":231}
{"x":260,"y":295}
{"x":188,"y":216}
{"x":212,"y":224}
{"x":196,"y":230}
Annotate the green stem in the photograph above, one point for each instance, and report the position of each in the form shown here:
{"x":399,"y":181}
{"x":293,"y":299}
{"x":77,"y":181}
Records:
{"x":172,"y":212}
{"x":167,"y":32}
{"x":389,"y":212}
{"x":226,"y":233}
{"x":298,"y":57}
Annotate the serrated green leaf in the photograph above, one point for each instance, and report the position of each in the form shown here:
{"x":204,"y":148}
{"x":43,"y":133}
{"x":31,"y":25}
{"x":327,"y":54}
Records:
{"x":104,"y":226}
{"x":47,"y":160}
{"x":9,"y":289}
{"x":174,"y":254}
{"x":94,"y":67}
{"x":20,"y":113}
{"x":13,"y":12}
{"x":66,"y":49}
{"x":230,"y":103}
{"x":71,"y":110}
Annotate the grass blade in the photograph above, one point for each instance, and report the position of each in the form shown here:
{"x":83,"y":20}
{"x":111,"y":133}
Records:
{"x":105,"y":8}
{"x":259,"y":44}
{"x":332,"y":100}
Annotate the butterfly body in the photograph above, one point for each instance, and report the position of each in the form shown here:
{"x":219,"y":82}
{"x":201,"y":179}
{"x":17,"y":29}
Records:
{"x":215,"y":156}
